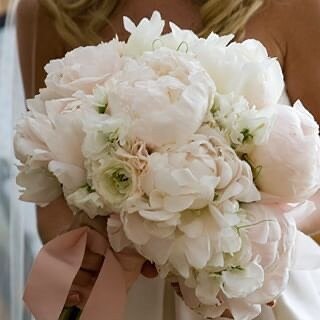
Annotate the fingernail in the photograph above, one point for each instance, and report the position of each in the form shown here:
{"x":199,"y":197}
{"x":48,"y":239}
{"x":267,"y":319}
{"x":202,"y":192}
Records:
{"x":74,"y":298}
{"x":271,"y":304}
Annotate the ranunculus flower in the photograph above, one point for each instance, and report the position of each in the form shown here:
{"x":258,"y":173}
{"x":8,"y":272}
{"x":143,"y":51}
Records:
{"x":114,"y":180}
{"x":82,"y":69}
{"x":290,"y":160}
{"x":165,"y":94}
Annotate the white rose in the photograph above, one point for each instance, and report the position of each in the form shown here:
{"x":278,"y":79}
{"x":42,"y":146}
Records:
{"x":290,"y":160}
{"x":82,"y":69}
{"x":166,"y":95}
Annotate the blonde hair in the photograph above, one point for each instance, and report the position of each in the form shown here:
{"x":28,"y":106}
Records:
{"x":79,"y":21}
{"x":227,"y":16}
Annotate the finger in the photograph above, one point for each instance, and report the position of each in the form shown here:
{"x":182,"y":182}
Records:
{"x":84,"y":293}
{"x":84,"y":278}
{"x":227,"y":314}
{"x":92,"y":262}
{"x":98,"y":224}
{"x":149,"y":270}
{"x":73,"y":299}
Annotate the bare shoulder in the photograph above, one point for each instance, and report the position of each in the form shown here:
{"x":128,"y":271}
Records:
{"x":27,"y":5}
{"x":268,"y":24}
{"x":302,"y":69}
{"x":302,"y":8}
{"x":296,"y":17}
{"x":27,"y":9}
{"x":280,"y":24}
{"x":301,"y":20}
{"x":38,"y":42}
{"x":290,"y":29}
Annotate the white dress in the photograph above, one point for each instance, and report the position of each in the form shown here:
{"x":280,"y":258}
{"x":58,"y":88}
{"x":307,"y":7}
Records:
{"x":154,"y":300}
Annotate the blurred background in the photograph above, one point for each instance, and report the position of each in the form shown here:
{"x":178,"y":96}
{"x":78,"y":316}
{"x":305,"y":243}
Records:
{"x":18,"y":236}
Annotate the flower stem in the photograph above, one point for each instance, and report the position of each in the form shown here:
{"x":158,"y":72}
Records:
{"x":70,"y":314}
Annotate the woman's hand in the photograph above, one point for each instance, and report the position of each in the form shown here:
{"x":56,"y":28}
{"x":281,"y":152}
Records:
{"x":131,"y":263}
{"x":57,"y":218}
{"x":54,"y":219}
{"x":91,"y":264}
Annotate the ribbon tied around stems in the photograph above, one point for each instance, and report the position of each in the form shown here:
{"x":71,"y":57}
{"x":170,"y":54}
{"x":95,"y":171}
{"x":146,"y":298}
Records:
{"x":55,"y":268}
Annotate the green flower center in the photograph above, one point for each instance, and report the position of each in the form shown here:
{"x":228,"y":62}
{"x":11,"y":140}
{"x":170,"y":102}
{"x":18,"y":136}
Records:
{"x":119,"y":179}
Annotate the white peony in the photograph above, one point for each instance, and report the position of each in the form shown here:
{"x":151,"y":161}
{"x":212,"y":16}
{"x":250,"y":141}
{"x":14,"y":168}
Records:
{"x":254,"y":275}
{"x":245,"y":69}
{"x":290,"y":160}
{"x":273,"y":240}
{"x":82,"y":69}
{"x":37,"y":183}
{"x":49,"y":139}
{"x":165,"y":94}
{"x":189,"y":209}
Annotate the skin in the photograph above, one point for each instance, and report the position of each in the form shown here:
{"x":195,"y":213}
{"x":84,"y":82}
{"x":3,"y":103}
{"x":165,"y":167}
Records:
{"x":288,"y":29}
{"x":3,"y":6}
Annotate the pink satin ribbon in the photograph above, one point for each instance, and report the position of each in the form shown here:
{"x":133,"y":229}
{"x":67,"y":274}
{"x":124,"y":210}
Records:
{"x":55,"y":268}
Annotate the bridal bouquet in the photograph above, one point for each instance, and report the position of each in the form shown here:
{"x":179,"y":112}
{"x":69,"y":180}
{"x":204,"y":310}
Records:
{"x":183,"y":143}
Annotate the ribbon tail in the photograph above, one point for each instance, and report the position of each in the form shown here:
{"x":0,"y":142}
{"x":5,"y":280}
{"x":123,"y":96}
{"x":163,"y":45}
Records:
{"x":52,"y":274}
{"x":108,"y":297}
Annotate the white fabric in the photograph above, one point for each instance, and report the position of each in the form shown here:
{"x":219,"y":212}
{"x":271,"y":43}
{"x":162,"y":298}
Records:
{"x":17,"y":218}
{"x":300,"y":301}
